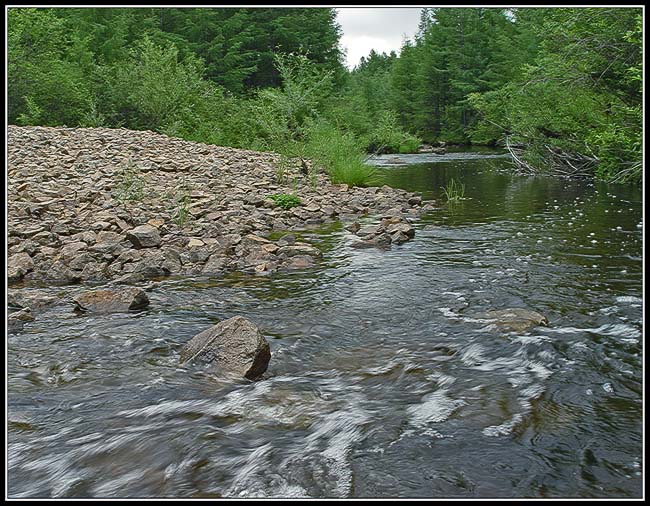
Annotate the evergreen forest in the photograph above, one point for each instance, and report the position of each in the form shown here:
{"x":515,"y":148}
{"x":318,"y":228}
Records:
{"x":561,"y":88}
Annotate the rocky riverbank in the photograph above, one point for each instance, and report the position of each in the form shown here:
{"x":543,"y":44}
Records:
{"x":113,"y":205}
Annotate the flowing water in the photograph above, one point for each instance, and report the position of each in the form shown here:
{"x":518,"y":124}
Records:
{"x":384,"y":381}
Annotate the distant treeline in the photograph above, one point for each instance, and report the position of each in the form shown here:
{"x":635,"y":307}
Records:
{"x":561,"y":87}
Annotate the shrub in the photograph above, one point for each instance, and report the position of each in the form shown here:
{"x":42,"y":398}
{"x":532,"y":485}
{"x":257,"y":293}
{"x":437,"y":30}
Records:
{"x":388,"y":136}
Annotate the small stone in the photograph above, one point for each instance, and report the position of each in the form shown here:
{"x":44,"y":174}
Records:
{"x":101,"y":225}
{"x":72,"y":250}
{"x":299,"y":249}
{"x":156,"y":222}
{"x":195,"y":243}
{"x":216,"y":264}
{"x":29,"y":299}
{"x":270,"y":248}
{"x":353,"y":227}
{"x":299,"y":262}
{"x":403,"y":228}
{"x":362,"y":245}
{"x":382,"y":240}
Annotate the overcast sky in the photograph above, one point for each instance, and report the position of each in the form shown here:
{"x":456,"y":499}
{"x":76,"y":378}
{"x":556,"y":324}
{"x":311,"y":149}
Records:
{"x":381,"y":29}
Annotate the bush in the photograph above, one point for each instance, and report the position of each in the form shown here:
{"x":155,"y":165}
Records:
{"x":155,"y":90}
{"x":388,"y":136}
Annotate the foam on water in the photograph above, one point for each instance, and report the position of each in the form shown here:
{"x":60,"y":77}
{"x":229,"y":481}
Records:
{"x":628,"y":299}
{"x":435,"y":407}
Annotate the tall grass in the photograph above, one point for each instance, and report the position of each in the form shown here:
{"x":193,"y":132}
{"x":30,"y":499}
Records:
{"x":454,"y":191}
{"x":338,"y":153}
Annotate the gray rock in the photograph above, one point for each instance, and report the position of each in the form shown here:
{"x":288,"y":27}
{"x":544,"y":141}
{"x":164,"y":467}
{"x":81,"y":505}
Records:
{"x":369,"y":231}
{"x":72,"y":250}
{"x":79,"y":262}
{"x":144,"y":236}
{"x":194,"y":255}
{"x":216,"y":264}
{"x":362,"y":245}
{"x":58,"y":272}
{"x":353,"y":227}
{"x":399,"y":237}
{"x":107,"y":301}
{"x":94,"y":271}
{"x":235,"y":345}
{"x":382,"y":240}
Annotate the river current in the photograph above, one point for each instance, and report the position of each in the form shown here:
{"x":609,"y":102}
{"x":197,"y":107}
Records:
{"x":384,"y":381}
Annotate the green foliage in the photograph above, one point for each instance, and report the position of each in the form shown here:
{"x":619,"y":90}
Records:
{"x":388,"y":136}
{"x":45,"y":87}
{"x":454,"y":191}
{"x":159,"y":91}
{"x":286,"y":200}
{"x":578,"y":99}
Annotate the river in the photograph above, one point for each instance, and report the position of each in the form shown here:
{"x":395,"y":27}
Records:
{"x":383,"y":381}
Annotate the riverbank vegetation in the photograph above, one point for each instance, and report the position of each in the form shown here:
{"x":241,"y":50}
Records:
{"x":561,"y":88}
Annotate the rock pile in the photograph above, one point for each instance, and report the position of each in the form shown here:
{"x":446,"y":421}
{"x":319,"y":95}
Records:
{"x":393,"y":229}
{"x":96,"y":204}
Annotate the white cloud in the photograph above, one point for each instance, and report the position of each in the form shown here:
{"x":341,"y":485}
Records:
{"x":381,"y":29}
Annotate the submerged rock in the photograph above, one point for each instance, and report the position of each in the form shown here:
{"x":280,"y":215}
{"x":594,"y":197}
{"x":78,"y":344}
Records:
{"x":34,"y":300}
{"x":16,"y":320}
{"x":235,"y":345}
{"x":516,"y":319}
{"x":107,"y":301}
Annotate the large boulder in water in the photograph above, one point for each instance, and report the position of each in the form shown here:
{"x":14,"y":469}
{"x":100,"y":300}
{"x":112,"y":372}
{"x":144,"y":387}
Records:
{"x":516,"y":319}
{"x":236,"y":345}
{"x":108,"y":301}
